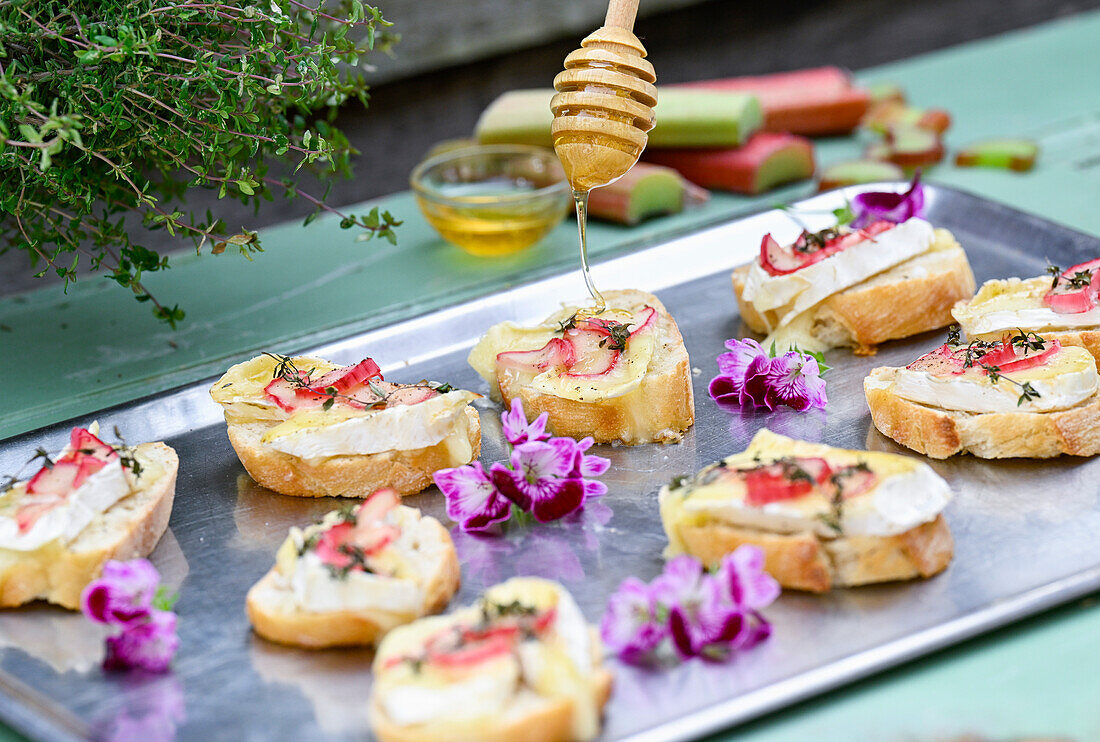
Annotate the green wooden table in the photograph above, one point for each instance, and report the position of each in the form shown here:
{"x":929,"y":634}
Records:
{"x":96,"y":347}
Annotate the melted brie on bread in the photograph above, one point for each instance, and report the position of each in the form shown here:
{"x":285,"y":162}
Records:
{"x":352,"y":577}
{"x":1066,"y":308}
{"x":619,"y":376}
{"x":844,"y":287}
{"x":825,"y":517}
{"x":522,"y":664}
{"x":305,"y":426}
{"x":1024,"y":395}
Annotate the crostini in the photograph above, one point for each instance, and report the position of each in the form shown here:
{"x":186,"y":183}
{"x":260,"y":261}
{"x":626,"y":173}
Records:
{"x":358,"y":573}
{"x":92,"y":503}
{"x":1064,"y":307}
{"x":306,"y":427}
{"x":521,"y":664}
{"x":621,"y":376}
{"x":844,"y":287}
{"x":1021,"y":396}
{"x":825,"y":517}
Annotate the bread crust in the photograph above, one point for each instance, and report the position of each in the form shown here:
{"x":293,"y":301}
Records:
{"x":913,"y":297}
{"x":128,"y":529}
{"x":550,"y":721}
{"x":940,"y":433}
{"x":660,"y":410}
{"x":806,"y":561}
{"x":407,"y":472}
{"x":266,"y":607}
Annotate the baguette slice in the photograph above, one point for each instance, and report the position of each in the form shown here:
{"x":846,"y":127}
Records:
{"x":659,"y":408}
{"x":128,"y":529}
{"x":807,"y":543}
{"x":912,"y":297}
{"x":941,"y":433}
{"x":1006,"y":297}
{"x":546,"y":684}
{"x":407,"y":471}
{"x":275,"y":616}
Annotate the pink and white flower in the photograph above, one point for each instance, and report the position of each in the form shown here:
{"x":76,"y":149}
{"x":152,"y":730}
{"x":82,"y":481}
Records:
{"x":149,"y":645}
{"x":630,"y":627}
{"x":539,"y":479}
{"x":473,"y":501}
{"x":516,"y":428}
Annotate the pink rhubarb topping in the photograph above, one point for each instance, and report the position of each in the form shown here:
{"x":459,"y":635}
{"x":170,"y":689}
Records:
{"x":1003,"y":355}
{"x":359,"y":386}
{"x":345,"y":545}
{"x":780,"y":260}
{"x":798,"y":476}
{"x":1076,"y":289}
{"x":53,"y":484}
{"x":590,"y":348}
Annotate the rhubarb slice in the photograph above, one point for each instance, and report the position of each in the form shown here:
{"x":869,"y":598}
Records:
{"x":645,"y":191}
{"x":1076,"y":289}
{"x":857,"y":172}
{"x":555,"y":354}
{"x":779,"y":260}
{"x":767,"y":161}
{"x":593,"y":351}
{"x":908,"y":147}
{"x":813,"y":102}
{"x":882,"y":117}
{"x":1011,"y":154}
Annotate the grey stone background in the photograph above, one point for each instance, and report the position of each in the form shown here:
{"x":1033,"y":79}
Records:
{"x":457,"y":55}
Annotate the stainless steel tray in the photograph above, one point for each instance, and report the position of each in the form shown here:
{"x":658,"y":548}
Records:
{"x":1025,"y":531}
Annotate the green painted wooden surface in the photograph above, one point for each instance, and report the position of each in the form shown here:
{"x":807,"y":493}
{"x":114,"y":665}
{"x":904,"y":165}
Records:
{"x":96,"y":347}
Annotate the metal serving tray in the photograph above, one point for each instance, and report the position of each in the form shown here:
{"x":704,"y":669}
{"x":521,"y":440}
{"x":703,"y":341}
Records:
{"x":1025,"y":531}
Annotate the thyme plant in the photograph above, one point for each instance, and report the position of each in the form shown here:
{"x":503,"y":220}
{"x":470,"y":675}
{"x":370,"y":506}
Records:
{"x":112,"y":110}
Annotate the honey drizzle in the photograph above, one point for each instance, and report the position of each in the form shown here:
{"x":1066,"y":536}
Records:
{"x":581,"y":199}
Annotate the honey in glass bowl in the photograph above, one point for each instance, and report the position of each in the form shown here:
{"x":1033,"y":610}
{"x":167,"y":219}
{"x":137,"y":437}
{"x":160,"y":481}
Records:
{"x":492,"y":200}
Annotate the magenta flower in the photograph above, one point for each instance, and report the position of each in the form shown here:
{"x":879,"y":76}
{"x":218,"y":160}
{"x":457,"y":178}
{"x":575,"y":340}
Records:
{"x":123,"y":595}
{"x":473,"y":501}
{"x":539,"y":479}
{"x":792,"y":379}
{"x":749,"y":377}
{"x":874,"y":206}
{"x":702,"y":614}
{"x":148,"y":645}
{"x":516,"y":428}
{"x":630,"y":627}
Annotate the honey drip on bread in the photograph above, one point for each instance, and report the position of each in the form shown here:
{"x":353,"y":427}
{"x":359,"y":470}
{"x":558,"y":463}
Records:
{"x":603,"y":111}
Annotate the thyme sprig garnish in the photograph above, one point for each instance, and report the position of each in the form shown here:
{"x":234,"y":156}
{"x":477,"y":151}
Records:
{"x":127,"y":454}
{"x":286,"y":370}
{"x":357,"y":560}
{"x":618,"y":337}
{"x":1079,"y":280}
{"x":978,"y":349}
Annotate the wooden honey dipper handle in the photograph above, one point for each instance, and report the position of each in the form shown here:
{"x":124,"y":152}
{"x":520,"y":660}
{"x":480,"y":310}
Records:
{"x":621,"y":14}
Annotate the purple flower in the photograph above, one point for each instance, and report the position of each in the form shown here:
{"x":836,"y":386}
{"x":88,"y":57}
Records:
{"x":629,"y":627}
{"x":742,"y":573}
{"x":473,"y":501}
{"x":699,"y":616}
{"x":516,"y":428}
{"x":873,"y":206}
{"x":792,"y":379}
{"x":540,"y":480}
{"x":148,"y":645}
{"x":123,"y":594}
{"x":733,"y":368}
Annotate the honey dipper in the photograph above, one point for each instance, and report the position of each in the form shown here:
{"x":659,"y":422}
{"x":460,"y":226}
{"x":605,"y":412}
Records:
{"x":603,"y":111}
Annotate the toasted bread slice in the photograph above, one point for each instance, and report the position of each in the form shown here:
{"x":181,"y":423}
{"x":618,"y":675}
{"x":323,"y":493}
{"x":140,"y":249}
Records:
{"x":824,"y":517}
{"x":1013,"y":304}
{"x":910,"y":298}
{"x":276,"y":617}
{"x":538,"y":719}
{"x":407,"y":471}
{"x":58,"y":573}
{"x":940,"y":433}
{"x":805,"y":561}
{"x":521,"y":664}
{"x":657,"y":407}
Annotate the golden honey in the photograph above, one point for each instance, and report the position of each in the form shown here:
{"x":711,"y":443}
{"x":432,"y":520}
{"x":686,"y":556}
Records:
{"x":488,"y":231}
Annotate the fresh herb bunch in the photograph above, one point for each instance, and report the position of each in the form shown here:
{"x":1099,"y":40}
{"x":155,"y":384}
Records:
{"x":111,"y":108}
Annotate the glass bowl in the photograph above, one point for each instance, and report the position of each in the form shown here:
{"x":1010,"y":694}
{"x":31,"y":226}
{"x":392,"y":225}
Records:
{"x":492,"y":199}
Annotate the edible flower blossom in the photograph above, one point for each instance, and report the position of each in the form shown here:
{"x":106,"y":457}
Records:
{"x":699,"y":614}
{"x":127,"y":598}
{"x":874,"y":206}
{"x":750,"y":377}
{"x":547,"y":477}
